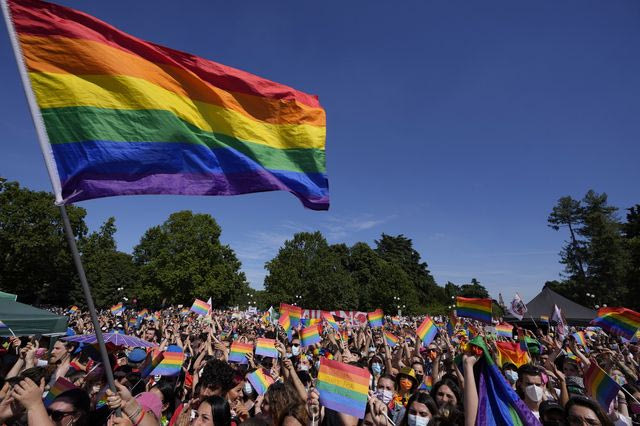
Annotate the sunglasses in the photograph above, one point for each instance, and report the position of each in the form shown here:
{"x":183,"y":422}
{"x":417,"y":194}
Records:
{"x":56,"y":415}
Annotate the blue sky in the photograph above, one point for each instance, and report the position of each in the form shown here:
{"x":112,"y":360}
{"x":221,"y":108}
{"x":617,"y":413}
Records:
{"x":458,"y":124}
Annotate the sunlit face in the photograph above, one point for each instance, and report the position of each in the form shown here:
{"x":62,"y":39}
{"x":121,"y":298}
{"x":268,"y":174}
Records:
{"x":419,"y":409}
{"x":58,"y":353}
{"x":445,"y":396}
{"x":579,"y":416}
{"x":418,"y":368}
{"x":204,"y":416}
{"x":384,"y":383}
{"x":150,"y":335}
{"x":235,"y":394}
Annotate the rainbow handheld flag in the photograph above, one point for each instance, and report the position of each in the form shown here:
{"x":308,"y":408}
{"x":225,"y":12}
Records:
{"x":170,"y":365}
{"x":200,"y":307}
{"x":260,"y":380}
{"x":600,"y":385}
{"x":117,"y":309}
{"x":477,"y":309}
{"x":580,"y":339}
{"x":504,"y":330}
{"x":427,"y":331}
{"x":285,"y":322}
{"x":343,"y":388}
{"x":511,"y":352}
{"x":133,"y":322}
{"x":143,"y":313}
{"x":544,"y":319}
{"x":395,"y":320}
{"x":295,"y":313}
{"x":498,"y":403}
{"x":150,"y":363}
{"x":73,"y":310}
{"x":375,"y":318}
{"x":310,"y":336}
{"x":125,"y":116}
{"x":266,"y":347}
{"x":620,"y":321}
{"x":391,"y":340}
{"x":328,"y":317}
{"x":238,"y":352}
{"x":61,"y":385}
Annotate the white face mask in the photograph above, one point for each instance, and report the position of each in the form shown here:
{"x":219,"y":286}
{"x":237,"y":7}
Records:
{"x":417,"y":420}
{"x":512,"y":376}
{"x":384,"y":395}
{"x":533,"y":392}
{"x":295,"y":350}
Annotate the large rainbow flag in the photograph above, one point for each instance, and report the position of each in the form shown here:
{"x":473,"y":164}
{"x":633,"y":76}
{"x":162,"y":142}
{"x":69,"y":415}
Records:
{"x":498,"y":403}
{"x":427,"y":331}
{"x":474,"y":308}
{"x":126,"y":116}
{"x":620,"y":321}
{"x":343,"y":387}
{"x":600,"y":385}
{"x":295,"y":313}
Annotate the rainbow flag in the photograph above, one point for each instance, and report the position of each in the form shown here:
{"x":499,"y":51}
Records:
{"x":504,"y":330}
{"x":498,"y":403}
{"x":375,"y":318}
{"x":260,"y":380}
{"x":391,"y":340}
{"x":285,"y":323}
{"x":395,"y":320}
{"x":306,"y":322}
{"x":61,"y":385}
{"x":266,"y":347}
{"x":477,"y":309}
{"x":126,"y":116}
{"x":427,"y":331}
{"x":185,"y":311}
{"x":170,"y":365}
{"x":328,"y":317}
{"x":200,"y":307}
{"x":426,"y":384}
{"x":238,"y":352}
{"x":344,"y":334}
{"x":150,"y":363}
{"x":73,"y":310}
{"x":544,"y":319}
{"x":620,"y":321}
{"x":133,"y":322}
{"x":343,"y":388}
{"x":580,"y":339}
{"x":117,"y":309}
{"x":295,"y":313}
{"x":310,"y":336}
{"x":600,"y":385}
{"x":143,"y":313}
{"x":511,"y":352}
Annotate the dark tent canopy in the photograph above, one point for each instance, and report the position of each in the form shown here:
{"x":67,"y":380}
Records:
{"x":542,"y":305}
{"x":25,"y":320}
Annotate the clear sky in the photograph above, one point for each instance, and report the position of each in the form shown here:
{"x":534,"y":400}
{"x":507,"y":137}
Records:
{"x":456,"y":123}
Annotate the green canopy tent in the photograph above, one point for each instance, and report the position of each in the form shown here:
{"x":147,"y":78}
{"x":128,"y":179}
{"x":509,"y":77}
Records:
{"x":9,"y":296}
{"x":25,"y":320}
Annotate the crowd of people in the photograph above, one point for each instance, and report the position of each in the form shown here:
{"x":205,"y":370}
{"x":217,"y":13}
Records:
{"x":411,"y":384}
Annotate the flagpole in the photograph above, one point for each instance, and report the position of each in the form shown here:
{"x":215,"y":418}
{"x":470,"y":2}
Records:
{"x":52,"y":169}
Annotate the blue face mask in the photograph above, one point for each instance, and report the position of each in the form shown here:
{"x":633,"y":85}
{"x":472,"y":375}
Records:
{"x":376,"y":367}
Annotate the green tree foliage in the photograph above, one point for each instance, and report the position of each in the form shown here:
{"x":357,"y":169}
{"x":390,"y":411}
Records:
{"x":107,"y":269}
{"x":308,"y":267}
{"x":183,"y":259}
{"x":35,"y":260}
{"x":473,"y":289}
{"x":631,"y":232}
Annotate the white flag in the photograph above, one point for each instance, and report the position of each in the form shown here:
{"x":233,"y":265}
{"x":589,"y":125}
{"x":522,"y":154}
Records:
{"x":517,"y":307}
{"x":561,"y":325}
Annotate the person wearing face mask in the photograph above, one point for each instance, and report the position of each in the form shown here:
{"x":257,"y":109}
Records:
{"x":420,"y":409}
{"x":376,"y":369}
{"x":510,"y":372}
{"x":385,"y":391}
{"x":529,"y":387}
{"x":406,"y":383}
{"x":295,"y":347}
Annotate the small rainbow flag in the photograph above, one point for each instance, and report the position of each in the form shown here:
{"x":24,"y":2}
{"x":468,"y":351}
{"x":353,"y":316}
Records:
{"x":620,"y":321}
{"x":200,"y":307}
{"x":544,"y":319}
{"x":511,"y":352}
{"x":375,"y":318}
{"x":427,"y":331}
{"x":345,"y":335}
{"x":395,"y":320}
{"x":295,"y":313}
{"x":260,"y":381}
{"x":266,"y":347}
{"x":504,"y":330}
{"x":343,"y":388}
{"x":474,"y":308}
{"x":580,"y":339}
{"x":330,"y":320}
{"x":143,"y":313}
{"x":285,"y":323}
{"x":74,"y":309}
{"x":117,"y":309}
{"x":391,"y":340}
{"x":150,"y":363}
{"x":61,"y":385}
{"x":133,"y":322}
{"x":185,"y":311}
{"x":427,"y":384}
{"x":239,"y":351}
{"x":310,"y":336}
{"x":600,"y":385}
{"x":170,"y":365}
{"x":306,"y":322}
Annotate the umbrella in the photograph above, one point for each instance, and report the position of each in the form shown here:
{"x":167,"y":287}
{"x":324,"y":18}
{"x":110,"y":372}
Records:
{"x":117,"y":339}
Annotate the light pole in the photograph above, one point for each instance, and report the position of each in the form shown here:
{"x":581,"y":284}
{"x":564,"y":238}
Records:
{"x":298,"y":300}
{"x":396,"y":301}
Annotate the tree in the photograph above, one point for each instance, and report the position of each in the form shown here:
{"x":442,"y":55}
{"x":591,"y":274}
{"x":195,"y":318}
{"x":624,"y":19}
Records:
{"x":107,"y":269}
{"x":309,"y":268}
{"x":35,"y":259}
{"x":569,"y":213}
{"x":631,"y":232}
{"x":183,"y":259}
{"x":399,"y":250}
{"x":474,"y":289}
